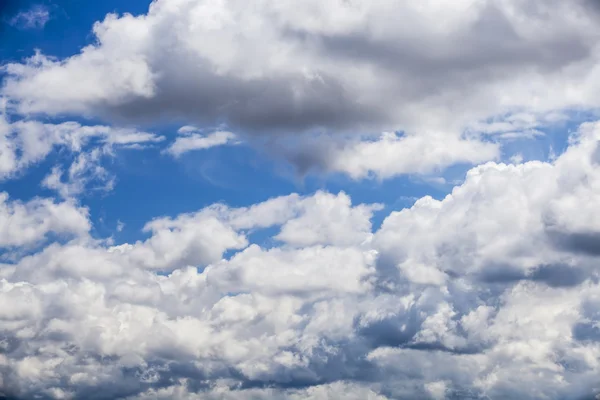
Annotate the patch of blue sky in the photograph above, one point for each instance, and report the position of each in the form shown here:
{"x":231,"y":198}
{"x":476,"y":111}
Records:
{"x":68,"y":29}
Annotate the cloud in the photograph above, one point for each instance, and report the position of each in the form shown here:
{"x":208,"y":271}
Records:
{"x":469,"y":296}
{"x":190,"y":140}
{"x":24,"y":143}
{"x":334,"y":67}
{"x":29,"y":223}
{"x":86,"y":172}
{"x":329,"y":220}
{"x":34,"y":18}
{"x":201,"y":238}
{"x":385,"y":156}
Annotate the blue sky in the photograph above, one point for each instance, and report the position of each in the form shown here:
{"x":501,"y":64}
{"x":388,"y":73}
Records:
{"x":299,"y":200}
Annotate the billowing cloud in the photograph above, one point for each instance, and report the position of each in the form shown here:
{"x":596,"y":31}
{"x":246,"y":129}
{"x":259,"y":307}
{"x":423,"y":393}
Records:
{"x":336,"y":64}
{"x":425,"y":68}
{"x":470,"y":296}
{"x":28,"y":223}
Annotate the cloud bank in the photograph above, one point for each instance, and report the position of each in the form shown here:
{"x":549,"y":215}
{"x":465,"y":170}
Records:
{"x":471,"y":296}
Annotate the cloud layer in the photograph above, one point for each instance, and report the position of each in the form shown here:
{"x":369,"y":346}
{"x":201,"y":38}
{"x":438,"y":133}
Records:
{"x":491,"y":292}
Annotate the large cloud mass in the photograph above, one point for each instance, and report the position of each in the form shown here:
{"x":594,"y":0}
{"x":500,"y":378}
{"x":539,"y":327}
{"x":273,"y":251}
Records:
{"x":333,"y":64}
{"x":427,"y":68}
{"x":491,"y":292}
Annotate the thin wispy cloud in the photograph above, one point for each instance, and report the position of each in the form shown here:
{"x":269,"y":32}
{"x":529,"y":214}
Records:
{"x":34,"y":18}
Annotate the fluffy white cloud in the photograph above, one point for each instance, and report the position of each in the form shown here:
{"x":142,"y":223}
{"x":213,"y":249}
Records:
{"x":352,"y":66}
{"x":500,"y":220}
{"x":492,"y":291}
{"x":202,"y":238}
{"x":329,"y":220}
{"x":335,"y":390}
{"x":23,"y":224}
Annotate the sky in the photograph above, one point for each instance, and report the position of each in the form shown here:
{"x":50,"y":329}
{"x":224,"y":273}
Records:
{"x":222,"y":199}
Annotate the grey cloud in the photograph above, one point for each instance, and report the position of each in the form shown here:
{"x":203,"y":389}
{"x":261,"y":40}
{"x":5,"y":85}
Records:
{"x":577,"y":242}
{"x":257,"y":106}
{"x":559,"y":275}
{"x":502,"y":273}
{"x":554,"y":275}
{"x":393,"y":331}
{"x":502,"y":52}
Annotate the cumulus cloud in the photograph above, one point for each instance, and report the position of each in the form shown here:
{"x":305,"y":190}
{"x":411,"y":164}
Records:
{"x":470,"y":296}
{"x":201,"y":238}
{"x":28,"y":223}
{"x":336,"y":66}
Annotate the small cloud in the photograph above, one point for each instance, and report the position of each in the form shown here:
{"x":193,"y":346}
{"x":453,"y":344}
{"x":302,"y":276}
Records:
{"x":517,"y":158}
{"x":187,"y":130}
{"x":191,"y":138}
{"x":120,"y":226}
{"x":34,"y":18}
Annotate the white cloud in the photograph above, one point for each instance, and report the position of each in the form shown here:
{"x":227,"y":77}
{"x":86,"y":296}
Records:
{"x":202,"y":238}
{"x":437,"y":389}
{"x":346,"y":390}
{"x":85,"y":170}
{"x":196,"y":239}
{"x":34,"y":18}
{"x":190,"y":140}
{"x":28,"y":223}
{"x":356,"y":67}
{"x":390,"y":154}
{"x":24,"y":143}
{"x":329,"y":220}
